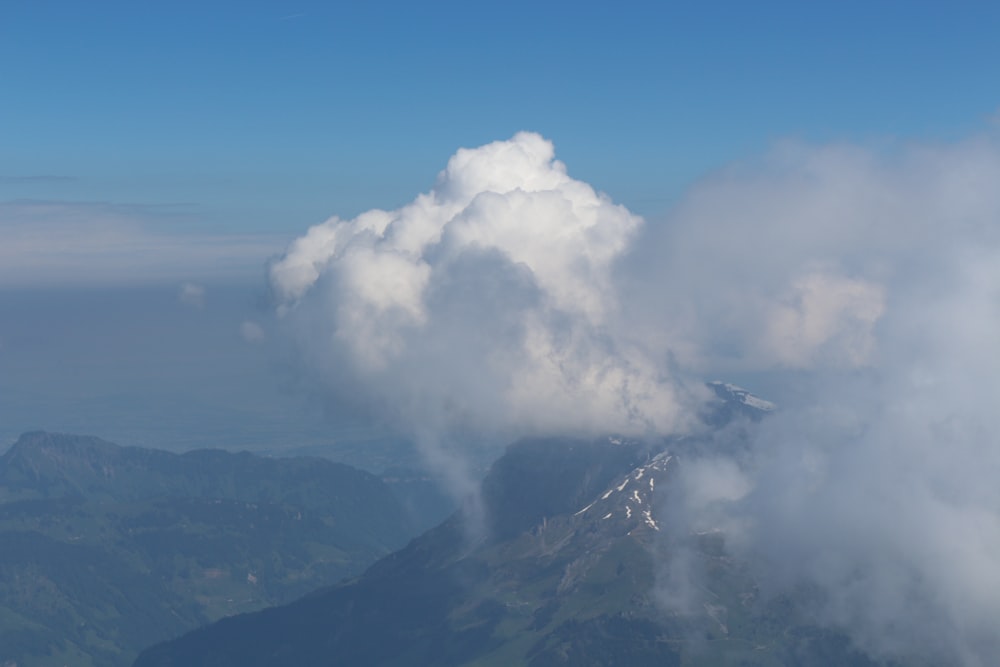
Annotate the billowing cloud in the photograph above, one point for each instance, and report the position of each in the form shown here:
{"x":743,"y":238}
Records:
{"x":488,"y":302}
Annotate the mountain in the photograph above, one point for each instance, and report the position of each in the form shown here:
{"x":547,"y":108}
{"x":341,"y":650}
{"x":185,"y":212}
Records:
{"x":733,"y":403}
{"x":562,"y":564}
{"x":107,"y":549}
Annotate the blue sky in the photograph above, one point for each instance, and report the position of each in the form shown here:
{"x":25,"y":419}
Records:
{"x":269,"y":116}
{"x":155,"y":144}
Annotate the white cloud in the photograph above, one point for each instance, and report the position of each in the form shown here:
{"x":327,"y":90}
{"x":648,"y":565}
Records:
{"x":822,"y":314}
{"x":489,"y":301}
{"x":790,"y":259}
{"x":875,"y":279}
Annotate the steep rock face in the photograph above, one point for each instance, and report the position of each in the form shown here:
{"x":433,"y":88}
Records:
{"x":107,"y":549}
{"x":541,"y":478}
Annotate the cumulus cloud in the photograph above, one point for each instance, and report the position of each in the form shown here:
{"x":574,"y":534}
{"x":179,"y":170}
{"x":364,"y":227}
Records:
{"x":488,"y":302}
{"x":56,"y":242}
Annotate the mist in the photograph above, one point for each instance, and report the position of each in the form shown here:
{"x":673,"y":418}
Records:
{"x":174,"y":366}
{"x":865,"y":288}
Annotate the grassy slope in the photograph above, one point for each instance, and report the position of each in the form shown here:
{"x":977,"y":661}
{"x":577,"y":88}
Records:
{"x":107,"y":549}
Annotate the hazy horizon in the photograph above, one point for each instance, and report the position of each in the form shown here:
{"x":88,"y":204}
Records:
{"x":278,"y":227}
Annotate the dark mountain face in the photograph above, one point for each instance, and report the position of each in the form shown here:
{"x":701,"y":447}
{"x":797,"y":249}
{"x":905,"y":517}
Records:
{"x":107,"y":549}
{"x":565,"y":572}
{"x":442,"y":599}
{"x":521,"y":488}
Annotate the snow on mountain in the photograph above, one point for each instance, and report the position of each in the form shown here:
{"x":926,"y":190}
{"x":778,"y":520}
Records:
{"x":630,"y":498}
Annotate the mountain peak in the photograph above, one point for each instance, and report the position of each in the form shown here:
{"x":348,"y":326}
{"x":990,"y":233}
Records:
{"x":570,"y":575}
{"x":32,"y":442}
{"x":731,"y":392}
{"x":65,"y":460}
{"x":539,"y":478}
{"x":629,"y":499}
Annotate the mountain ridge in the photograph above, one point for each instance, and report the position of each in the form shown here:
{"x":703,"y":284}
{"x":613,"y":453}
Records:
{"x":567,"y":569}
{"x":543,"y":587}
{"x":108,"y":548}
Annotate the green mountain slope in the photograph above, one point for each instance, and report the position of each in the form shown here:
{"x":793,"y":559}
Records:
{"x":561,"y":569}
{"x":107,"y":549}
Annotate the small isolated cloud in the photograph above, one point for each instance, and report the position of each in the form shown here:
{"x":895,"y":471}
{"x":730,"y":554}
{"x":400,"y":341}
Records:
{"x":252,"y":332}
{"x":192,"y":294}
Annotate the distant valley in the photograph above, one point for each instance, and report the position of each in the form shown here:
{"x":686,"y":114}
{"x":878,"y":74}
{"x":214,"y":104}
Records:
{"x":108,"y":549}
